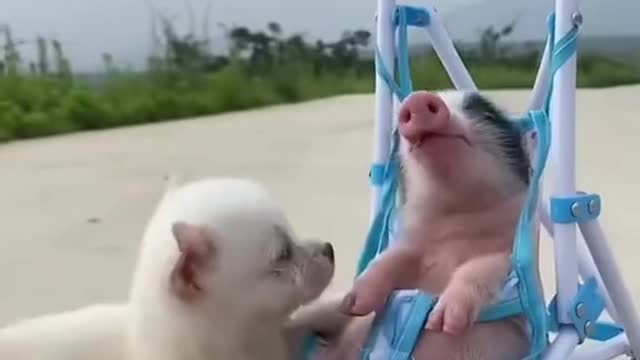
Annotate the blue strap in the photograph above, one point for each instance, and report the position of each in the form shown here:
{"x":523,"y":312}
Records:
{"x":378,"y":236}
{"x":560,"y":52}
{"x":532,"y":301}
{"x":401,"y":332}
{"x":404,"y":332}
{"x":376,"y":174}
{"x":525,"y":124}
{"x":404,"y":67}
{"x":380,"y":174}
{"x":387,"y":77}
{"x":416,"y":321}
{"x":385,"y":175}
{"x":501,"y":311}
{"x":308,"y":347}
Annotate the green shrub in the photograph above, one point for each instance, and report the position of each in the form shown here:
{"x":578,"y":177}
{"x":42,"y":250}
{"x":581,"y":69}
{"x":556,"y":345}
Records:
{"x":189,"y":81}
{"x":87,"y":110}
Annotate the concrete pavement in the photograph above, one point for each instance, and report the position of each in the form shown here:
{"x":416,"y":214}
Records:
{"x":74,"y":206}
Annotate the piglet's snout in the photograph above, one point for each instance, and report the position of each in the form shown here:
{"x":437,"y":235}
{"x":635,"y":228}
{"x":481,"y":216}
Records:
{"x":422,"y":113}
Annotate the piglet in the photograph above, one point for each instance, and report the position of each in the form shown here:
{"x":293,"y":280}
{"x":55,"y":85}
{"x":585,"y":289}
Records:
{"x":465,"y":176}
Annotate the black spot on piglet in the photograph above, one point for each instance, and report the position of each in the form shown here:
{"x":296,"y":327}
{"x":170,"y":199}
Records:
{"x":510,"y":140}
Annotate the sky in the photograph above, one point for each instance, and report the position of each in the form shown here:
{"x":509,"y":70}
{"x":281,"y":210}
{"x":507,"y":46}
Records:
{"x":87,"y":28}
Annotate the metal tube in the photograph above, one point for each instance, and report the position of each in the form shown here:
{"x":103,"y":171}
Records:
{"x":543,"y":80}
{"x":563,"y":345}
{"x":562,"y":111}
{"x":607,"y":350}
{"x":383,"y":95}
{"x":612,"y":277}
{"x":446,"y":51}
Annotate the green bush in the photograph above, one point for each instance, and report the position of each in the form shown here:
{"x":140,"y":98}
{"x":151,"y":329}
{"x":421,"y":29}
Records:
{"x":189,"y":81}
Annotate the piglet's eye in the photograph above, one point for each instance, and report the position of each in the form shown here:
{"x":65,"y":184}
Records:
{"x":489,"y":115}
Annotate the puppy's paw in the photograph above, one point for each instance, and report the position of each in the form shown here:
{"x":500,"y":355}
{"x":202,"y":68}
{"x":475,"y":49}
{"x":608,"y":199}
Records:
{"x":456,"y":311}
{"x":322,"y":316}
{"x":365,"y":297}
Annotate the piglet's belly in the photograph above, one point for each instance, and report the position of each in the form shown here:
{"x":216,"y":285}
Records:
{"x":478,"y":343}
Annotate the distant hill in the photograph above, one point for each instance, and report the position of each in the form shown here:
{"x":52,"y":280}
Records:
{"x":625,"y":48}
{"x":607,"y":30}
{"x":602,"y":18}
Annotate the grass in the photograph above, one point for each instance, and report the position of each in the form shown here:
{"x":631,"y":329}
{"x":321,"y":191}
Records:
{"x":49,"y":100}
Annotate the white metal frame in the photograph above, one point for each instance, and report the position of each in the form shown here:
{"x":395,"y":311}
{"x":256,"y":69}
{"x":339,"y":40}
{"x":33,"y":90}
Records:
{"x":587,"y":255}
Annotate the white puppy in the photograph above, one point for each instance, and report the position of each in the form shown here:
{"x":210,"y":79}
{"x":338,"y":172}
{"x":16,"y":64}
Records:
{"x":219,"y":273}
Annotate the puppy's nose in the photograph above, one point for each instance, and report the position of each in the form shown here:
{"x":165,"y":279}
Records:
{"x":327,"y":250}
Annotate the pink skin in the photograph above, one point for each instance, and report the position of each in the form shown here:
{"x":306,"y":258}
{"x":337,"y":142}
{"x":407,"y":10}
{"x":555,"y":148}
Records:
{"x":425,"y":124}
{"x":424,"y":116}
{"x":459,"y":222}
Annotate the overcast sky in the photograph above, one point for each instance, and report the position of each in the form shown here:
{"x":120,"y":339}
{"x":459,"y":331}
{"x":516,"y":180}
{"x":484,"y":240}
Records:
{"x":88,"y":28}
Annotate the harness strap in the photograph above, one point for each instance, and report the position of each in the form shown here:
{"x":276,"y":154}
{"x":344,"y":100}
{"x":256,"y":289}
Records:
{"x":378,"y":237}
{"x":404,"y":66}
{"x":531,"y":299}
{"x":417,"y":320}
{"x":391,"y":337}
{"x":560,"y":52}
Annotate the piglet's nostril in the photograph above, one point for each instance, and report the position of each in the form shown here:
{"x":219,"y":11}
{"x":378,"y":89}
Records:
{"x":327,"y":250}
{"x":404,"y":115}
{"x":433,"y":108}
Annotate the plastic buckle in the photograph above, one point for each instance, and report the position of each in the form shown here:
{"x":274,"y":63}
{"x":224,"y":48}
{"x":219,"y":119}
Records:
{"x":578,"y":208}
{"x":376,"y":174}
{"x":585,"y":311}
{"x":416,"y":16}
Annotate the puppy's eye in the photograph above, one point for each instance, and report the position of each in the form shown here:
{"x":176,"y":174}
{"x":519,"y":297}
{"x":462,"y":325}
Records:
{"x":285,"y":254}
{"x":276,"y":272}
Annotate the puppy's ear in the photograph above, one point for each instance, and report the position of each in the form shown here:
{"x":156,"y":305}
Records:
{"x":196,"y":244}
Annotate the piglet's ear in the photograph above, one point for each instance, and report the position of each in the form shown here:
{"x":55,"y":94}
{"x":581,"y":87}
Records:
{"x":196,"y":245}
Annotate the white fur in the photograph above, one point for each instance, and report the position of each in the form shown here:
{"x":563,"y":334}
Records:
{"x":247,"y":300}
{"x":95,"y":332}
